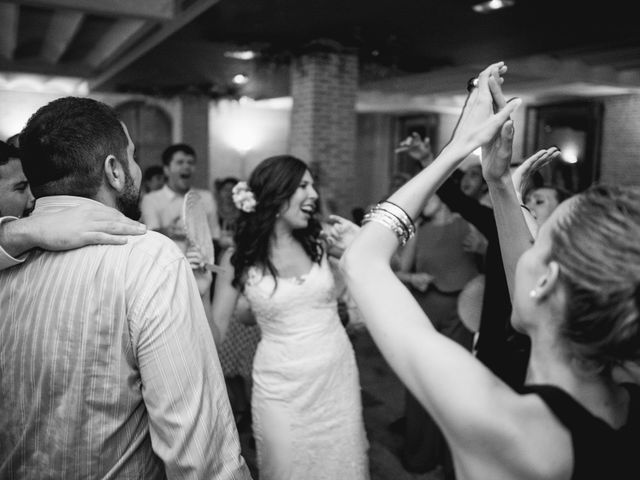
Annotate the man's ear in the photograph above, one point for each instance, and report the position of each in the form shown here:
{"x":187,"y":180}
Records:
{"x":114,"y":173}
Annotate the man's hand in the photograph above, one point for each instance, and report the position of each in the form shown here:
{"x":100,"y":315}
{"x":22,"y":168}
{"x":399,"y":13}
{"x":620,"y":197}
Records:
{"x":420,"y":281}
{"x":175,"y":230}
{"x":195,"y":258}
{"x":203,"y":276}
{"x":68,"y":229}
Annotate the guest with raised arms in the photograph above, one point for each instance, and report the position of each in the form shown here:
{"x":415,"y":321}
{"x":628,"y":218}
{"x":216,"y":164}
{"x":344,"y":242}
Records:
{"x":575,"y":293}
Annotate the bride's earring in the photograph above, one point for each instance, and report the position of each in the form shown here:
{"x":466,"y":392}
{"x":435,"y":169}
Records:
{"x":533,"y":293}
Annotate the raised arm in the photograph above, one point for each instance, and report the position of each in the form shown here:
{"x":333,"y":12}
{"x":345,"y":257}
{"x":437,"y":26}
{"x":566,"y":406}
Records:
{"x":516,"y":226}
{"x":65,"y":230}
{"x":461,"y":394}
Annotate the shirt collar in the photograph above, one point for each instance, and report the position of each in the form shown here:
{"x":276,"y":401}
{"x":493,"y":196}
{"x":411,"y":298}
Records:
{"x":61,"y":202}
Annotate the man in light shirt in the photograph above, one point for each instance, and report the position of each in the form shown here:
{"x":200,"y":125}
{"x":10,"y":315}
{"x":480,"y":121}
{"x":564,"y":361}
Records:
{"x":162,"y":209}
{"x":109,"y":370}
{"x":74,"y":228}
{"x":162,"y":212}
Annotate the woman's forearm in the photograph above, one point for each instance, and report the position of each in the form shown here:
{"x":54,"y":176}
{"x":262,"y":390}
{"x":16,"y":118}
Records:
{"x":513,"y":232}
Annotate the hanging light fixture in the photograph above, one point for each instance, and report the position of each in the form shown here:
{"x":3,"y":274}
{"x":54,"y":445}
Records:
{"x":492,"y":5}
{"x":240,"y":78}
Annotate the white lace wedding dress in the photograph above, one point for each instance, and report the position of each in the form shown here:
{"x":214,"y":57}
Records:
{"x":306,"y":404}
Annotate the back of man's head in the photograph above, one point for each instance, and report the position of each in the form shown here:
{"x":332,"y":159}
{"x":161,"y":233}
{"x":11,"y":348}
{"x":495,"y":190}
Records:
{"x":7,"y":152}
{"x":168,"y":153}
{"x":65,"y":143}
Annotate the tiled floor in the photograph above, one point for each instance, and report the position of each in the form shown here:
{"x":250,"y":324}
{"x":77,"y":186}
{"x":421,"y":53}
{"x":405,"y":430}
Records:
{"x":382,"y":399}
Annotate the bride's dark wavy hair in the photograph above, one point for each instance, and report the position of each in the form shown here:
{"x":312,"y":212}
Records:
{"x":273,"y":182}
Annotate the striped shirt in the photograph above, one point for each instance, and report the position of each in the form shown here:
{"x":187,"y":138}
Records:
{"x":108,"y":368}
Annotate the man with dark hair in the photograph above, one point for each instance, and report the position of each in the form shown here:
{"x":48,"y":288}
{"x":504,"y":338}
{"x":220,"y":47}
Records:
{"x":153,"y":179}
{"x":66,"y":230}
{"x":161,"y":210}
{"x":109,"y":370}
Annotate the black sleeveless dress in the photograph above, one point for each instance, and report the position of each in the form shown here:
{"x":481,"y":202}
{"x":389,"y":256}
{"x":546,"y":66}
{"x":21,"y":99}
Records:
{"x":600,"y":451}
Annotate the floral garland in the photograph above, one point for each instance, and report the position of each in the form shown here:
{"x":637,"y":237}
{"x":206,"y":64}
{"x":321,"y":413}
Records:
{"x":243,"y":197}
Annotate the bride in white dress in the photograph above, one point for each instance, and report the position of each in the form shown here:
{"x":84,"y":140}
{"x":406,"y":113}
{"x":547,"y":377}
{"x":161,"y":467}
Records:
{"x":306,"y":404}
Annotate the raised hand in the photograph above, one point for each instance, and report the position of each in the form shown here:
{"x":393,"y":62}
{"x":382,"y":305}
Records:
{"x":522,"y":175}
{"x":484,"y":113}
{"x":416,"y":148}
{"x":496,"y":155}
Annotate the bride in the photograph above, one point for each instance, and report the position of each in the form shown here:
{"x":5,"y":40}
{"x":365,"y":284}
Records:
{"x":306,"y":407}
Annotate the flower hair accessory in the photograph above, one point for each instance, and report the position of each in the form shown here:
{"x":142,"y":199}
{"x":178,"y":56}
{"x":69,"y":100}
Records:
{"x":243,"y":197}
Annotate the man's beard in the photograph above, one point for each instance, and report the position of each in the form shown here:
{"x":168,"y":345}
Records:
{"x":129,"y":201}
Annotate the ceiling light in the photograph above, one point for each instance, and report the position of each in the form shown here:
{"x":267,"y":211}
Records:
{"x":241,"y":54}
{"x":492,"y":5}
{"x":240,"y":79}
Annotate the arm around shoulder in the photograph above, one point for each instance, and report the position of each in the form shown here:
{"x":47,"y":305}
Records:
{"x":75,"y":227}
{"x":14,"y":241}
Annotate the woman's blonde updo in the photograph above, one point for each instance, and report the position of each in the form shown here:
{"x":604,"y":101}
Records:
{"x":597,"y":245}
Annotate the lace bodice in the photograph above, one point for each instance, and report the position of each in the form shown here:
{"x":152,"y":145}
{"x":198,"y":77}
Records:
{"x":298,"y":307}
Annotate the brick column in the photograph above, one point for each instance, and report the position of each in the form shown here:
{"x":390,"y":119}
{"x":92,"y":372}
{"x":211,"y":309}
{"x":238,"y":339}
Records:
{"x":323,"y":122}
{"x":194,"y":131}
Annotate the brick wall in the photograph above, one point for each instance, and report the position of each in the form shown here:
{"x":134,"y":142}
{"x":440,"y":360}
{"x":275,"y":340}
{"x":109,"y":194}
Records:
{"x":621,"y":140}
{"x":323,"y":122}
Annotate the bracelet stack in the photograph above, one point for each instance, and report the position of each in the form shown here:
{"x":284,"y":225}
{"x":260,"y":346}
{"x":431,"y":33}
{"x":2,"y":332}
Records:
{"x":394,"y":218}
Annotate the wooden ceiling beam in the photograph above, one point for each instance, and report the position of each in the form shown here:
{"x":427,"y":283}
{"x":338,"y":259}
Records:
{"x":113,"y":41}
{"x":9,"y":16}
{"x":148,"y":9}
{"x":182,"y":18}
{"x":39,"y":67}
{"x":538,"y":72}
{"x":62,"y":29}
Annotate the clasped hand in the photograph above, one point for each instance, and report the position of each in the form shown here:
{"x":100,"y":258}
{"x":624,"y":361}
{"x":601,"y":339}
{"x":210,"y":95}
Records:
{"x":338,"y":233}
